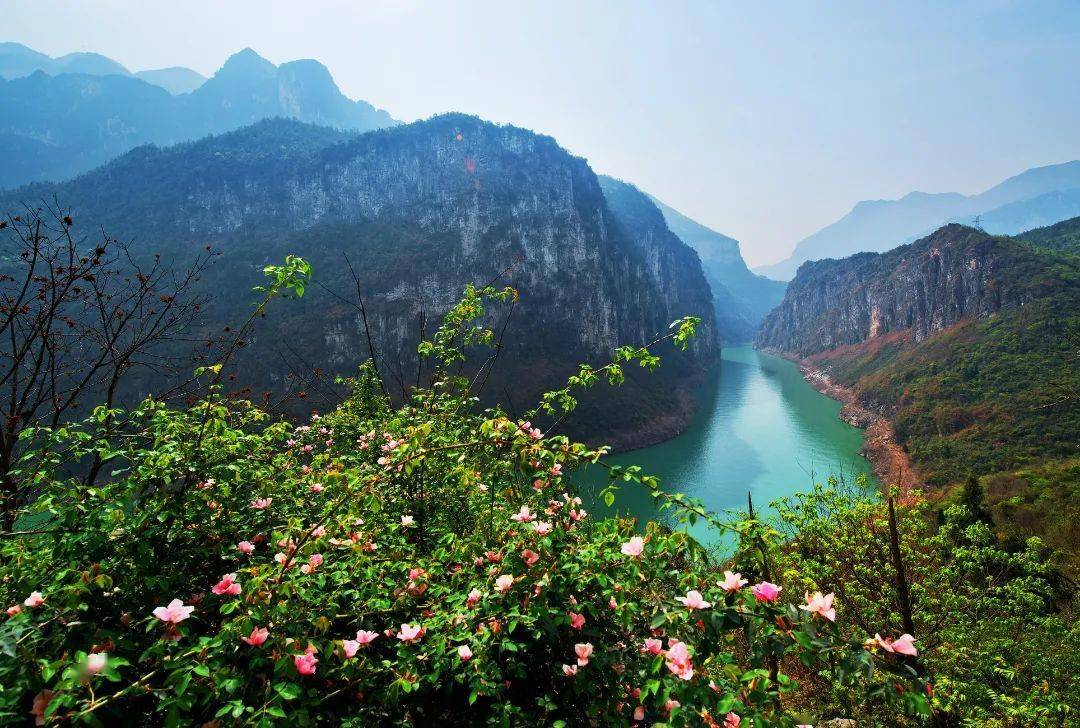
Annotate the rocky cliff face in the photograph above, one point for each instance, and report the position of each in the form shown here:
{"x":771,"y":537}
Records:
{"x":956,"y":273}
{"x":420,"y":211}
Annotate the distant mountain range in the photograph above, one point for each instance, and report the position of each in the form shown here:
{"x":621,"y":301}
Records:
{"x":1037,"y":197}
{"x":61,"y":117}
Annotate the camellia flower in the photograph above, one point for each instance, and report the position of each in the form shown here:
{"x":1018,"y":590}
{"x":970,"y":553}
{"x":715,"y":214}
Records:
{"x":542,"y":527}
{"x":34,"y":600}
{"x":257,"y":637}
{"x":473,"y":598}
{"x":524,"y":515}
{"x":583,"y":652}
{"x":408,"y":521}
{"x":96,"y":662}
{"x":693,"y":600}
{"x":13,"y":610}
{"x":246,"y":547}
{"x":227,"y":585}
{"x":678,"y":660}
{"x":316,"y":487}
{"x":766,"y":591}
{"x":732,"y":582}
{"x":530,"y":557}
{"x":175,"y":613}
{"x":465,"y":653}
{"x":653,"y":646}
{"x":410,"y":633}
{"x":364,"y":636}
{"x":41,"y":704}
{"x":349,"y":647}
{"x":639,"y":713}
{"x":314,"y":562}
{"x":634,"y":547}
{"x":732,"y":720}
{"x":577,"y":621}
{"x":903,"y":645}
{"x":261,"y":504}
{"x":305,"y":663}
{"x":577,"y":515}
{"x":569,"y":670}
{"x":820,"y":605}
{"x":503,"y":583}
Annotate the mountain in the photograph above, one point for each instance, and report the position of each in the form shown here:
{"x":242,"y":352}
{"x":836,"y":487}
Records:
{"x":878,"y":225}
{"x":54,"y":127}
{"x":175,"y":79}
{"x":17,"y":60}
{"x":967,"y":343}
{"x":742,"y":297}
{"x":421,"y":210}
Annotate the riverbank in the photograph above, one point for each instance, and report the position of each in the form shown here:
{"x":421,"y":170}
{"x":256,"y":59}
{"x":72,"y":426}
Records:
{"x":891,"y":462}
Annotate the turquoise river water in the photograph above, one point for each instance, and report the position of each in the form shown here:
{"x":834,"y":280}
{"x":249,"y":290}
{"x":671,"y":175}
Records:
{"x":759,"y":428}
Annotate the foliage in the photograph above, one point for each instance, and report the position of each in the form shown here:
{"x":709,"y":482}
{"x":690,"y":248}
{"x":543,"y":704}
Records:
{"x":412,"y":564}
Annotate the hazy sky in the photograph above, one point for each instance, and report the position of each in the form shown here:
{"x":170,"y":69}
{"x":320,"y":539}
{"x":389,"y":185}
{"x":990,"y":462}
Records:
{"x":764,"y":120}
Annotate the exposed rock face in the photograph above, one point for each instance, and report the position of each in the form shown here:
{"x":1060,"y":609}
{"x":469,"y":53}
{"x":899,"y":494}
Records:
{"x":955,"y":273}
{"x":420,"y":211}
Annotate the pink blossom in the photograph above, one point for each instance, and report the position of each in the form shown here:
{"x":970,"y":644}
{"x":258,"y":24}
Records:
{"x":349,"y":647}
{"x":693,"y":600}
{"x":365,"y":637}
{"x":175,"y":613}
{"x":503,"y":583}
{"x":652,"y":646}
{"x":408,"y":521}
{"x":577,"y":515}
{"x":246,"y":547}
{"x":227,"y":585}
{"x":530,"y":557}
{"x":584,"y":652}
{"x":639,"y":713}
{"x":819,"y":604}
{"x":316,"y":487}
{"x":732,"y":720}
{"x":577,"y":621}
{"x":261,"y":504}
{"x":766,"y":591}
{"x":903,"y":645}
{"x":556,"y":469}
{"x":314,"y":562}
{"x":465,"y":653}
{"x":305,"y":663}
{"x":257,"y":637}
{"x":634,"y":547}
{"x":732,"y":582}
{"x":410,"y":633}
{"x":678,"y":660}
{"x":569,"y":670}
{"x":318,"y":532}
{"x":96,"y":662}
{"x":524,"y":515}
{"x":34,"y":600}
{"x":612,"y":603}
{"x":671,"y":705}
{"x":13,"y":610}
{"x":542,"y":527}
{"x":473,"y":598}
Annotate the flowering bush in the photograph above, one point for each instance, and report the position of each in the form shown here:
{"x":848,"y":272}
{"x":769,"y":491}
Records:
{"x":411,"y":564}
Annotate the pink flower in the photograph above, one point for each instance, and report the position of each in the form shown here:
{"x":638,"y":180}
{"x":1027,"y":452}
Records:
{"x":678,"y":660}
{"x":671,"y":705}
{"x":305,"y":663}
{"x":693,"y":600}
{"x":542,"y":527}
{"x":96,"y":662}
{"x":257,"y":637}
{"x":175,"y":613}
{"x":349,"y":647}
{"x":556,"y":469}
{"x":34,"y":600}
{"x":364,"y":636}
{"x":903,"y":645}
{"x":634,"y":547}
{"x":653,"y":646}
{"x":576,"y":516}
{"x":473,"y":598}
{"x":318,"y":532}
{"x":820,"y":605}
{"x":465,"y":653}
{"x":41,"y":704}
{"x":530,"y":557}
{"x":410,"y":633}
{"x":766,"y":591}
{"x":503,"y":583}
{"x":583,"y":652}
{"x":314,"y":562}
{"x":316,"y":487}
{"x":524,"y":515}
{"x":731,"y":720}
{"x":261,"y":504}
{"x":227,"y":585}
{"x":732,"y":582}
{"x":577,"y":621}
{"x":13,"y":610}
{"x":569,"y":670}
{"x":639,"y":713}
{"x":246,"y":547}
{"x":408,"y":521}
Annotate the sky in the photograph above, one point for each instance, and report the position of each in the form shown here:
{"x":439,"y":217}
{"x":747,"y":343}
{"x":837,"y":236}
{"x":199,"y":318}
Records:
{"x":764,"y":120}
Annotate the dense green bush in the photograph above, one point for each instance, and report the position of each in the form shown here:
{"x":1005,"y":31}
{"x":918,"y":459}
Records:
{"x":401,"y":565}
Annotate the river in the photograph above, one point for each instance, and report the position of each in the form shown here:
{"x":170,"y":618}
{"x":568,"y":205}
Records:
{"x":758,"y":428}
